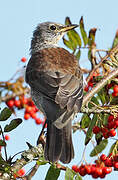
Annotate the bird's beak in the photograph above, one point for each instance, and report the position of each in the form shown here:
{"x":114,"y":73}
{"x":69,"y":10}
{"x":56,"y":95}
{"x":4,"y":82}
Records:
{"x":68,"y":27}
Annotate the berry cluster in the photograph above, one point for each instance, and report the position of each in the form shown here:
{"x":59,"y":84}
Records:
{"x":92,"y":169}
{"x":109,"y":129}
{"x":101,"y":168}
{"x":31,"y":111}
{"x":91,"y":82}
{"x":110,"y":161}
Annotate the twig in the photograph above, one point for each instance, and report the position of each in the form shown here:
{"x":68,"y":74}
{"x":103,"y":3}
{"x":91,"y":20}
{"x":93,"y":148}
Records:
{"x":32,"y":172}
{"x":13,"y":95}
{"x":3,"y":140}
{"x":102,"y":59}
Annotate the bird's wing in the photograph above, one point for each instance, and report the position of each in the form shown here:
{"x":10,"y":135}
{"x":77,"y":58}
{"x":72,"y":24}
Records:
{"x":70,"y":89}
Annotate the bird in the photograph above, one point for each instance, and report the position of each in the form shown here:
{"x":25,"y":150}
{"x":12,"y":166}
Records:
{"x":56,"y":83}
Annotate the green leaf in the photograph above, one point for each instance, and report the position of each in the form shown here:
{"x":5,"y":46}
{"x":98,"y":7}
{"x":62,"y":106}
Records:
{"x":115,"y":41}
{"x":83,"y":32}
{"x":5,"y":114}
{"x":72,"y":40}
{"x":42,"y":161}
{"x":113,"y":100}
{"x":69,"y":175}
{"x":103,"y":96}
{"x":53,"y":173}
{"x":2,"y":143}
{"x":78,"y":177}
{"x":94,"y":100}
{"x":89,"y":55}
{"x":91,"y":38}
{"x":89,"y":133}
{"x":68,"y":44}
{"x":85,"y":121}
{"x":114,"y":148}
{"x":13,"y":124}
{"x":78,"y":54}
{"x":104,"y":118}
{"x":99,"y":148}
{"x":76,"y":38}
{"x":67,"y":21}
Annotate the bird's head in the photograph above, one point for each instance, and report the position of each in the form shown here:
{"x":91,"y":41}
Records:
{"x":48,"y":34}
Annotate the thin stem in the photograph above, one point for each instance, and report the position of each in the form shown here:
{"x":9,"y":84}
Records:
{"x":5,"y":150}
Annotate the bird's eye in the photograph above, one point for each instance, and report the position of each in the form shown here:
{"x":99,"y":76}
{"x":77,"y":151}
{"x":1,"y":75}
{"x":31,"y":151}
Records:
{"x":53,"y":27}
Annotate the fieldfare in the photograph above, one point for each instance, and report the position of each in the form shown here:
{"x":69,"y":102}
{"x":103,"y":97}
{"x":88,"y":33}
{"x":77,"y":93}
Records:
{"x":56,"y":83}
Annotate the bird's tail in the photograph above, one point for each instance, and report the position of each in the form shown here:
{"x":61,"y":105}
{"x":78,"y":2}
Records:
{"x":59,"y":143}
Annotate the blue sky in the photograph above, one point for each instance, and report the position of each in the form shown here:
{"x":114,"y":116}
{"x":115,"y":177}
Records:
{"x":18,"y":19}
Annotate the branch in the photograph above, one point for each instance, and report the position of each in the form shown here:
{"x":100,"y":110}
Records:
{"x":26,"y":157}
{"x":99,"y":85}
{"x":32,"y":173}
{"x":102,"y":59}
{"x":13,"y":95}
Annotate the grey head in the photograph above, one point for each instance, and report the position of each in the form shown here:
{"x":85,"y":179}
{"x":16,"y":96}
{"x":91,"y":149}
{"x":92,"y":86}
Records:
{"x":48,"y":34}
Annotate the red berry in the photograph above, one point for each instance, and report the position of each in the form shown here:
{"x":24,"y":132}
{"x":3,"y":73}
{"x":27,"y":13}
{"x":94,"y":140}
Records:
{"x":111,"y":125}
{"x":93,"y":167}
{"x":75,"y":168}
{"x":114,"y":94}
{"x":109,"y":85}
{"x":33,"y":114}
{"x":33,"y":108}
{"x":23,"y":59}
{"x":21,"y":172}
{"x":10,"y":103}
{"x":28,"y":109}
{"x":95,"y":74}
{"x":104,"y":130}
{"x":38,"y":121}
{"x":115,"y":89}
{"x":110,"y":118}
{"x":115,"y":158}
{"x":95,"y":175}
{"x":116,"y":123}
{"x":110,"y":155}
{"x":108,"y":162}
{"x":7,"y":137}
{"x":106,"y":170}
{"x":112,"y":132}
{"x":17,"y":103}
{"x":115,"y":165}
{"x":90,"y":84}
{"x":103,"y":157}
{"x":26,"y":116}
{"x":102,"y":175}
{"x":24,"y":100}
{"x":96,"y":130}
{"x":105,"y":135}
{"x":98,"y":171}
{"x":31,"y":103}
{"x":82,"y":171}
{"x":86,"y":88}
{"x":88,"y":169}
